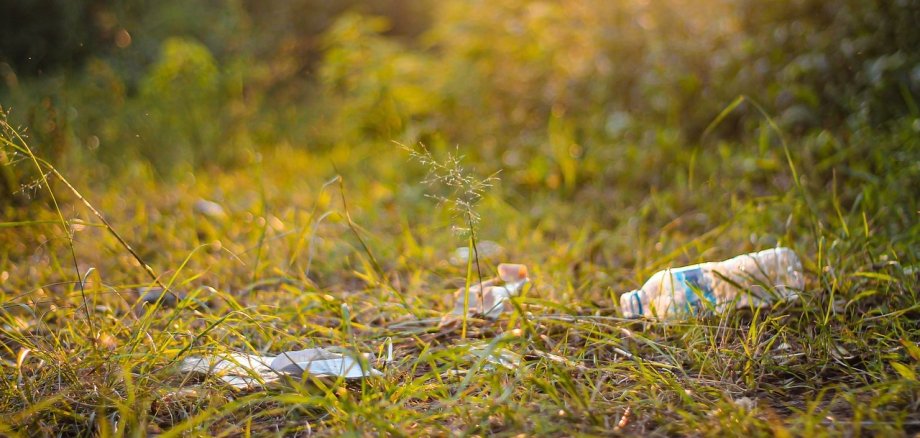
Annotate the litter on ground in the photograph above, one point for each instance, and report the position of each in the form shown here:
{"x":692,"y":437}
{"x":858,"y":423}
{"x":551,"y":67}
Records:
{"x":749,"y":280}
{"x":495,"y":293}
{"x":243,"y":371}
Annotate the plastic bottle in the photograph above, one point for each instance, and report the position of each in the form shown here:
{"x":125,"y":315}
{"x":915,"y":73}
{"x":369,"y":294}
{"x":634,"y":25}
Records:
{"x":749,"y":280}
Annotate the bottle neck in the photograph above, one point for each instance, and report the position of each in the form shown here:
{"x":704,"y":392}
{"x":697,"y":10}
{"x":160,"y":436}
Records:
{"x":631,"y":304}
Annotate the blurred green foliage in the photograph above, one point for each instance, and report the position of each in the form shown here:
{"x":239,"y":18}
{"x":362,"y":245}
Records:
{"x":835,"y":61}
{"x":41,"y":35}
{"x":554,"y":91}
{"x":181,"y":92}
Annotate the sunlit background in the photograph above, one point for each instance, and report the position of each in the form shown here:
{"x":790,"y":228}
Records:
{"x":620,"y":117}
{"x":180,"y":83}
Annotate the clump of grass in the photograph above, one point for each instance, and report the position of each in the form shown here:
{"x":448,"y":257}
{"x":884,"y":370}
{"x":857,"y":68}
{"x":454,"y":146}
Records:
{"x":465,"y":192}
{"x":465,"y":188}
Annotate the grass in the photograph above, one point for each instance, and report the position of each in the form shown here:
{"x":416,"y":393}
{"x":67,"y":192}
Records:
{"x":345,"y":249}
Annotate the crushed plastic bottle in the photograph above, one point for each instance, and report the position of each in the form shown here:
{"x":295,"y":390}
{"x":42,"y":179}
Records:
{"x":246,"y":371}
{"x":749,"y":280}
{"x":496,"y":293}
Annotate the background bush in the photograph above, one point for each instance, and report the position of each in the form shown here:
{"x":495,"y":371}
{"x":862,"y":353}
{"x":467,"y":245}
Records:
{"x":553,"y":92}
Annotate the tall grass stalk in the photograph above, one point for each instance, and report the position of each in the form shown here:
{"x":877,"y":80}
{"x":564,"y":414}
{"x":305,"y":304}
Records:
{"x":465,"y":190}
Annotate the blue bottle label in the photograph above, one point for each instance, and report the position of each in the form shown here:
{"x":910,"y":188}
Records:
{"x":694,"y":285}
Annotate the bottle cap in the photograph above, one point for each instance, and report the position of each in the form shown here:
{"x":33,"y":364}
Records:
{"x":631,"y":304}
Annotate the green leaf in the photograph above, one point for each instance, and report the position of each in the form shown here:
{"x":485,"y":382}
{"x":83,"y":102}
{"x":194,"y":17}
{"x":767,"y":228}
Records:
{"x":904,"y":371}
{"x":875,"y":275}
{"x":912,"y":349}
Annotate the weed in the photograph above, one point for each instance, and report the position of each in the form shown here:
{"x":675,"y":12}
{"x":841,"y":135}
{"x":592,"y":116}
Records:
{"x":466,"y":190}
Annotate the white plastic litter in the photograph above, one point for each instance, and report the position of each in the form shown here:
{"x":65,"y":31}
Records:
{"x":319,"y":362}
{"x":243,"y":370}
{"x":486,"y":249}
{"x":499,"y":357}
{"x":240,"y":370}
{"x":749,"y":280}
{"x":210,"y":209}
{"x":495,"y":293}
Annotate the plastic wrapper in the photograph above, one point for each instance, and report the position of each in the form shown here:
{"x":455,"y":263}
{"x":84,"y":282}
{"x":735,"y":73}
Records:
{"x":243,"y":370}
{"x":494,"y":293}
